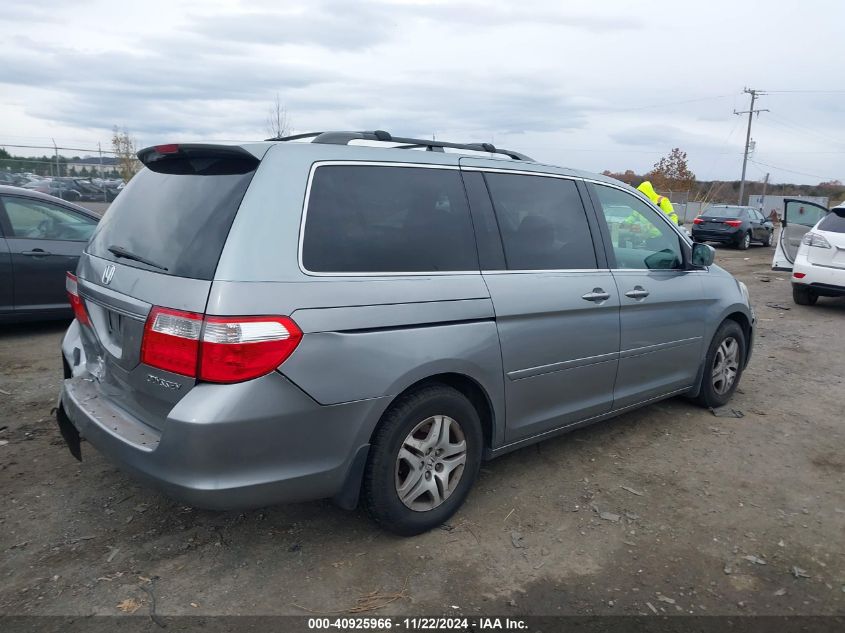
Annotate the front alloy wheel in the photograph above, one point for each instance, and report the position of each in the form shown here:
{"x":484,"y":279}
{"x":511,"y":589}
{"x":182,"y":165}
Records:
{"x":725,"y":365}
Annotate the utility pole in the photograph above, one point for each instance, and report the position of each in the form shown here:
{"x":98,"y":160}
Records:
{"x":750,"y":112}
{"x":56,"y":151}
{"x":763,"y":195}
{"x":102,"y":179}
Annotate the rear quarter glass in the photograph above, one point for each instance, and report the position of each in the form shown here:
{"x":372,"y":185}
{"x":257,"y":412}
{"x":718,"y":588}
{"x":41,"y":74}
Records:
{"x":178,"y":221}
{"x":833,"y":222}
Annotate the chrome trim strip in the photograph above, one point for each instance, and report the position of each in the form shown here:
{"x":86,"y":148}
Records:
{"x":530,"y":372}
{"x":521,"y":172}
{"x":582,"y":271}
{"x":648,"y":349}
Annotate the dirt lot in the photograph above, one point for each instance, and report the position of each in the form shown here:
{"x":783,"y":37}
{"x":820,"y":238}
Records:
{"x":667,"y":509}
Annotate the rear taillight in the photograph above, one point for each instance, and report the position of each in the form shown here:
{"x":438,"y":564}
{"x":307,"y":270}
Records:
{"x":815,"y":239}
{"x":242,"y":348}
{"x":733,"y":222}
{"x":217,"y":349}
{"x":72,"y":287}
{"x":172,"y":341}
{"x":698,"y":221}
{"x":799,"y":275}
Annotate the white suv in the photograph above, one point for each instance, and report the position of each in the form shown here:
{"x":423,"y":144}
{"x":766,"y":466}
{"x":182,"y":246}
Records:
{"x":813,"y":242}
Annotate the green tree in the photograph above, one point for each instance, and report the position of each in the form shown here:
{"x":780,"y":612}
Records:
{"x":125,"y":151}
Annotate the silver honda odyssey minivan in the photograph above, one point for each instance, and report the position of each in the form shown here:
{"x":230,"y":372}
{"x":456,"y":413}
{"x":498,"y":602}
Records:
{"x":362,"y":317}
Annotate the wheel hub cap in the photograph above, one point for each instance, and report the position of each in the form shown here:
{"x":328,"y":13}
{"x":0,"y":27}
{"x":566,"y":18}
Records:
{"x":430,"y":463}
{"x":725,"y":365}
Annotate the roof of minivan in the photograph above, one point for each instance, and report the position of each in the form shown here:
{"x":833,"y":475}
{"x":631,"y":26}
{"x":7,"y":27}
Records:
{"x":382,"y":153}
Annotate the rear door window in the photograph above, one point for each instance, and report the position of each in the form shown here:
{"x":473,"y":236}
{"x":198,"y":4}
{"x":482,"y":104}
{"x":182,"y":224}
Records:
{"x":384,"y":219}
{"x":177,"y":221}
{"x":542,"y":221}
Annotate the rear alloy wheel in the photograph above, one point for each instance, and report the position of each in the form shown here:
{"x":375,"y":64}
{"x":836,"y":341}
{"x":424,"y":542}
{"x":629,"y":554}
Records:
{"x":803,"y":296}
{"x":723,"y":365}
{"x":424,"y":458}
{"x":744,"y":242}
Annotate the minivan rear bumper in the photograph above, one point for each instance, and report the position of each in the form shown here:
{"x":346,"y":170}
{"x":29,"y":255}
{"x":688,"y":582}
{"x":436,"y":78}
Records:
{"x":228,"y":447}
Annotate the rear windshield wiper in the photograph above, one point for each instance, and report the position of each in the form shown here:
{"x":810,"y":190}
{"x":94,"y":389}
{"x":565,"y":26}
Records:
{"x":119,"y":251}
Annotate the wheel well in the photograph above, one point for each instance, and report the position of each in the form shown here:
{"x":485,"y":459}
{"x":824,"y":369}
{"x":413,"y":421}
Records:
{"x":469,"y":388}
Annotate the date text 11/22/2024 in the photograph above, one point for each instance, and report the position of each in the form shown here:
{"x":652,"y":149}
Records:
{"x":417,"y":624}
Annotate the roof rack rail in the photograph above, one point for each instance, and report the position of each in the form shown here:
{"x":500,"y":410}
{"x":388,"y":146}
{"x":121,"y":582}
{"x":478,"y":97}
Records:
{"x":343,"y":138}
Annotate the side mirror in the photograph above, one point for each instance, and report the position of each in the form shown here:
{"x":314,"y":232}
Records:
{"x":702,"y":255}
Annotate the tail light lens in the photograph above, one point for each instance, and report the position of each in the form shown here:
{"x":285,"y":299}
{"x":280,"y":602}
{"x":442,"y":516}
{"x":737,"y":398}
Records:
{"x":799,"y":275}
{"x":172,"y":341}
{"x":733,"y":223}
{"x":217,"y":349}
{"x":698,"y":221}
{"x":72,"y":287}
{"x":815,"y":239}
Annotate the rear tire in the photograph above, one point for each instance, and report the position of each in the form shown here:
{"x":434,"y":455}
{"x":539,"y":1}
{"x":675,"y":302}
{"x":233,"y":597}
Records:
{"x":803,"y":296}
{"x":723,"y":365}
{"x":433,"y":476}
{"x":744,"y":242}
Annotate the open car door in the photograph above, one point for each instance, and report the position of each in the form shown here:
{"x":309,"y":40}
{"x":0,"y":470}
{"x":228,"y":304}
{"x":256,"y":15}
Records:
{"x":799,"y":216}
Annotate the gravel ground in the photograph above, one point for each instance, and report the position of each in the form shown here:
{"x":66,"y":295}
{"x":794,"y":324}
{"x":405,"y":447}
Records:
{"x":667,"y":509}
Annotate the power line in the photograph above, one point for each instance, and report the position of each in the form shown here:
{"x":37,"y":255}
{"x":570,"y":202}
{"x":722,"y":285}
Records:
{"x":820,"y":92}
{"x":53,"y":147}
{"x":791,"y":171}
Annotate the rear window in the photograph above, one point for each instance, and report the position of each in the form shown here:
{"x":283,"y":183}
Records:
{"x":177,"y":222}
{"x":372,"y":219}
{"x":833,"y":222}
{"x":724,"y":212}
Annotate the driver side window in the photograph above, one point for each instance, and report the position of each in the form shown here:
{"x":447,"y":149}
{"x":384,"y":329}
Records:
{"x":640,"y":239}
{"x":33,"y":219}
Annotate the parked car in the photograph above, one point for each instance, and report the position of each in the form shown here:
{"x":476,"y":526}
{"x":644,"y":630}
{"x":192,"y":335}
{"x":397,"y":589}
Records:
{"x":282,"y":321}
{"x":812,"y":246}
{"x":41,"y":238}
{"x":738,"y":226}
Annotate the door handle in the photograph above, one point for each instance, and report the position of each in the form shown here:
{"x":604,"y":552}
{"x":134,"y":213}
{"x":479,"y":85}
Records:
{"x":36,"y":252}
{"x":598,"y":294}
{"x":637,"y":293}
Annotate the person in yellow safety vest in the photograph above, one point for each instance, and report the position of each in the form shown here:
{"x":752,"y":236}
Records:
{"x":661,"y":202}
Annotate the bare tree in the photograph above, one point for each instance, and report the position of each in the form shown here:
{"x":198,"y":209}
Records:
{"x":125,"y":151}
{"x":278,"y":124}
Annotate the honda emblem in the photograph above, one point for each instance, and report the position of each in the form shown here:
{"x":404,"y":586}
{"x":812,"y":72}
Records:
{"x":108,"y":273}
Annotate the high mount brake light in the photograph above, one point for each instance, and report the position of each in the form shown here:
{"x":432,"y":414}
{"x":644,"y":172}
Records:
{"x":170,"y":148}
{"x":217,"y":349}
{"x":72,"y":287}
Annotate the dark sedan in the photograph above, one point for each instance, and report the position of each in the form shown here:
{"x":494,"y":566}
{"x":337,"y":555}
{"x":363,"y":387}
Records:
{"x":734,"y":225}
{"x":41,"y":238}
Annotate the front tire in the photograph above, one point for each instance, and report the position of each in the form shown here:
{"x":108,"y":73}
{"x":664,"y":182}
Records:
{"x":424,"y":458}
{"x":803,"y":296}
{"x":744,"y":242}
{"x":723,"y":365}
{"x":768,"y":240}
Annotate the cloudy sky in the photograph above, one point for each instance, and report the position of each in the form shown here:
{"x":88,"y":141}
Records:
{"x":583,"y":84}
